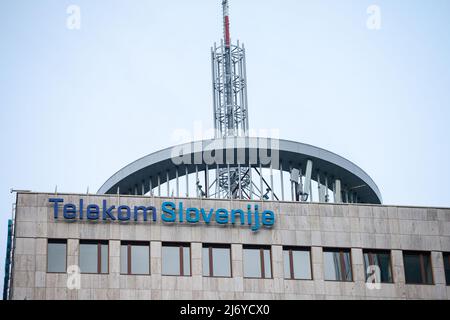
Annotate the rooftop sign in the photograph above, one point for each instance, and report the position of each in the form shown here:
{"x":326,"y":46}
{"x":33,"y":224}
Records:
{"x":170,"y":212}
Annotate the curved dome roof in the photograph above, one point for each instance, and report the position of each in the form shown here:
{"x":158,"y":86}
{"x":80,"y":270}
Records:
{"x":290,"y":153}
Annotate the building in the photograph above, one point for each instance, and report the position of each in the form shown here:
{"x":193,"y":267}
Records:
{"x":235,"y":217}
{"x":313,"y":251}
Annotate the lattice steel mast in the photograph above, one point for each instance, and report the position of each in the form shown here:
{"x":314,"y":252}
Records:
{"x":229,"y":84}
{"x":230,"y":107}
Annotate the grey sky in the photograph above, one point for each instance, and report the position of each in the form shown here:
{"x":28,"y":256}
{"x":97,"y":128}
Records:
{"x":76,"y":106}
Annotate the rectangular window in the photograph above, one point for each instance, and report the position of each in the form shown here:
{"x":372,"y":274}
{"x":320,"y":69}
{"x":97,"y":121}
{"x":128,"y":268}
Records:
{"x":217,"y":261}
{"x":135,"y":258}
{"x":257,"y":262}
{"x":56,"y":256}
{"x":337,"y":265}
{"x":94,"y":256}
{"x":417,"y":267}
{"x":447,"y":267}
{"x":378,"y":260}
{"x":176,"y":259}
{"x":297,"y":263}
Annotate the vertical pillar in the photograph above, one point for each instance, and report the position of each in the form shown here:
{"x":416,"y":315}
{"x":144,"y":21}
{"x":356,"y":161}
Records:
{"x":251,"y":182}
{"x":292,"y":184}
{"x":359,"y":274}
{"x":398,"y":270}
{"x":327,"y":190}
{"x":317,"y":265}
{"x":261,"y":182}
{"x":437,"y":263}
{"x":197,"y":182}
{"x":114,"y":257}
{"x":229,"y":181}
{"x":72,"y":254}
{"x":321,"y":188}
{"x":337,"y":191}
{"x":187,"y":182}
{"x":237,"y":267}
{"x":207,"y":181}
{"x":168,"y":184}
{"x":277,"y":263}
{"x":217,"y":182}
{"x":282,"y":181}
{"x":271,"y":182}
{"x":308,"y":173}
{"x":300,"y":185}
{"x":240,"y":182}
{"x":196,"y":261}
{"x":159,"y":185}
{"x":177,"y":182}
{"x":150,"y":186}
{"x":155,"y":256}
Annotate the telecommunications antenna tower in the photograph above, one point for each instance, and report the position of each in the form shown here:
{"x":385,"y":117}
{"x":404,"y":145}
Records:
{"x":230,"y":106}
{"x":241,"y":176}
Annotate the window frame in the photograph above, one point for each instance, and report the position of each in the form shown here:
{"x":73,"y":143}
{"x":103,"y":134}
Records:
{"x":290,"y":249}
{"x":446,"y":256}
{"x":372,"y":251}
{"x":180,"y":246}
{"x":210,"y":248}
{"x":261,"y":256}
{"x":129,"y":244}
{"x":422,"y":267}
{"x":341,"y":251}
{"x":99,"y":244}
{"x":60,"y":241}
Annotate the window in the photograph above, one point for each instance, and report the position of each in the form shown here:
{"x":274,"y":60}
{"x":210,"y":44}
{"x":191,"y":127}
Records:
{"x":417,"y":267}
{"x":257,"y":262}
{"x":338,"y":265}
{"x":94,"y":256}
{"x":176,"y":259}
{"x":447,"y":267}
{"x":135,"y":258}
{"x":216,"y":261}
{"x":380,"y":259}
{"x":297,"y":263}
{"x":56,"y":256}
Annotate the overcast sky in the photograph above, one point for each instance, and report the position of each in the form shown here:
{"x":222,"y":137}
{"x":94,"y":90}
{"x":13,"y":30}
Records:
{"x":78,"y":105}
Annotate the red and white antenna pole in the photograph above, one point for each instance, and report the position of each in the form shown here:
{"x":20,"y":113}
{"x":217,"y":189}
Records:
{"x":228,"y":85}
{"x":226,"y":23}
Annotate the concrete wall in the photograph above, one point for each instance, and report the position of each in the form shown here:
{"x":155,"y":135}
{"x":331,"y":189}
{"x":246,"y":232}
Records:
{"x":313,"y":225}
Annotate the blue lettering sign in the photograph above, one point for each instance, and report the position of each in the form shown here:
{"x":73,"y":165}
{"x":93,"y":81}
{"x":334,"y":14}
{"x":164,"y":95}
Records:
{"x":171,"y":212}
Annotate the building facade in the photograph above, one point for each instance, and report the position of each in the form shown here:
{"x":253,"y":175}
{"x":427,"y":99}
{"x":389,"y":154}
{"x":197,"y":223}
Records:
{"x":303,"y":251}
